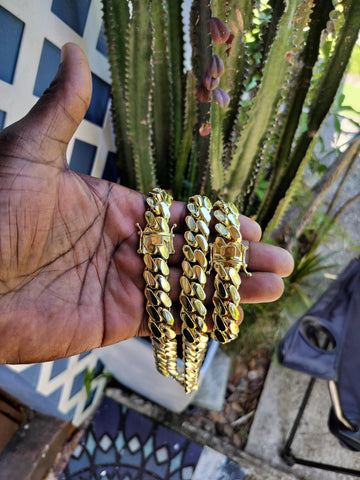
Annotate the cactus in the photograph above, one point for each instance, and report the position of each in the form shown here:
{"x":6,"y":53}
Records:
{"x":183,"y":130}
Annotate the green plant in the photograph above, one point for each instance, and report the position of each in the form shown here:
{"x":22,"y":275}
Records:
{"x":282,"y":67}
{"x":90,"y":375}
{"x":280,"y":62}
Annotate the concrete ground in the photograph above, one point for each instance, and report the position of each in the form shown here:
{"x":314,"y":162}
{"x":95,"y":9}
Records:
{"x":274,"y":418}
{"x":284,"y":389}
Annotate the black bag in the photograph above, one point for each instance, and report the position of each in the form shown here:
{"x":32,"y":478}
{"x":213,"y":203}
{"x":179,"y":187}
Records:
{"x":325,"y":343}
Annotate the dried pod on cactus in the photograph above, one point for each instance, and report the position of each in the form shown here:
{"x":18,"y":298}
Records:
{"x":210,"y":82}
{"x":218,"y":30}
{"x":216,"y":66}
{"x":229,"y":42}
{"x":205,"y":129}
{"x":221,"y":97}
{"x":230,"y":39}
{"x":203,"y":94}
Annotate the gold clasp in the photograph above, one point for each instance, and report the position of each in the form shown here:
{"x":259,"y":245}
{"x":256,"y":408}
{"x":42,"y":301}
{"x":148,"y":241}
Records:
{"x":228,"y":254}
{"x":156,"y":242}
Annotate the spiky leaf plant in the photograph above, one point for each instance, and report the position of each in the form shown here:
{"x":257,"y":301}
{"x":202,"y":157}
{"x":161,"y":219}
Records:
{"x":279,"y":62}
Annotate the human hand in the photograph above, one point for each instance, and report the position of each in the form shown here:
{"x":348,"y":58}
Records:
{"x":70,"y":275}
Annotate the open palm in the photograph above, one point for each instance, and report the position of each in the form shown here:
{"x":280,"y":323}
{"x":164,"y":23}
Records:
{"x":70,"y":276}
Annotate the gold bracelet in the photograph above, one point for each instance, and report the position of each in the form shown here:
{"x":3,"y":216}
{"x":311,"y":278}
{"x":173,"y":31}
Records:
{"x":193,"y":312}
{"x":156,"y":244}
{"x":227,"y":255}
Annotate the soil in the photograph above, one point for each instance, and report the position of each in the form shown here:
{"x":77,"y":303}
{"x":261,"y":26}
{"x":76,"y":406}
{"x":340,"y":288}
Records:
{"x":244,"y":387}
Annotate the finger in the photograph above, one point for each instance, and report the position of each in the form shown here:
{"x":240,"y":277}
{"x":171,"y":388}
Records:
{"x":261,"y":287}
{"x":263,"y":257}
{"x":250,"y":230}
{"x":53,"y":120}
{"x":176,"y":312}
{"x":260,"y":257}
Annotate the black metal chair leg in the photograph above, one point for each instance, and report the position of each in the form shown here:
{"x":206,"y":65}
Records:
{"x":287,"y":454}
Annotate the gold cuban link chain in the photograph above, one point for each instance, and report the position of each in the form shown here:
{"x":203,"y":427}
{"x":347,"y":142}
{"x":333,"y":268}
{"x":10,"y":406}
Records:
{"x":156,"y":244}
{"x":193,"y":280}
{"x":227,"y":257}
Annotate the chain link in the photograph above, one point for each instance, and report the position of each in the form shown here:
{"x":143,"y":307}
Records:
{"x":227,"y":258}
{"x":156,"y":244}
{"x":193,"y":311}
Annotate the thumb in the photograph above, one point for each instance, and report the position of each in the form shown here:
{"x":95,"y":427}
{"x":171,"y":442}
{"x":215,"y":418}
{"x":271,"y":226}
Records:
{"x":53,"y":120}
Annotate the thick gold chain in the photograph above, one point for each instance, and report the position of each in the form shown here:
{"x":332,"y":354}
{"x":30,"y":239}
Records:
{"x":227,"y":258}
{"x":193,"y":311}
{"x":156,"y":244}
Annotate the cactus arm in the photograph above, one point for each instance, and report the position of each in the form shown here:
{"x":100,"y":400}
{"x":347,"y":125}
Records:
{"x":276,"y":147}
{"x":175,"y":38}
{"x":219,"y":9}
{"x":116,"y":20}
{"x":187,"y":138}
{"x":284,"y":203}
{"x":277,"y":7}
{"x":163,"y":120}
{"x":192,"y":172}
{"x":201,"y":50}
{"x":237,"y":16}
{"x":335,"y":69}
{"x":321,"y":102}
{"x":200,"y":37}
{"x":239,"y":19}
{"x":139,"y":94}
{"x":299,"y":89}
{"x":217,"y":115}
{"x":262,"y":112}
{"x":217,"y":174}
{"x":318,"y":21}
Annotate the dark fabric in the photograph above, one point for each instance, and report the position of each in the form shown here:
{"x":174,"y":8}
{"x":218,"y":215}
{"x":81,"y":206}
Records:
{"x":348,"y":439}
{"x":325,"y":343}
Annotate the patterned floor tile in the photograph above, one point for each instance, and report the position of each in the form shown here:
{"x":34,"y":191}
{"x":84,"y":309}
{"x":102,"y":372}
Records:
{"x":122,"y":444}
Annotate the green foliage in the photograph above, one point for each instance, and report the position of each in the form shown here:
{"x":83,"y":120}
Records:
{"x":282,"y":70}
{"x":316,"y":91}
{"x":354,"y":64}
{"x":91,"y":375}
